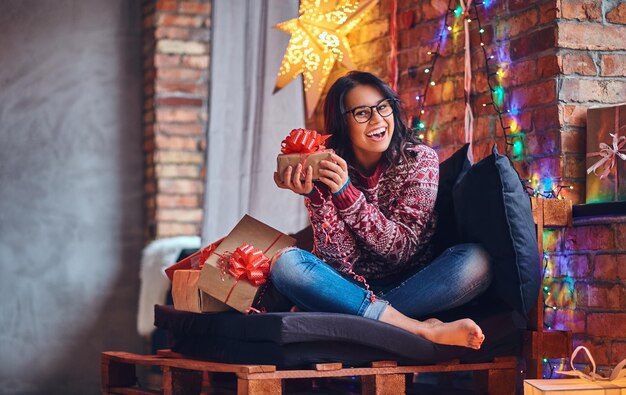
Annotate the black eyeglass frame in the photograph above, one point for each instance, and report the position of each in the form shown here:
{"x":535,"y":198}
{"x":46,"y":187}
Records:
{"x":372,"y":108}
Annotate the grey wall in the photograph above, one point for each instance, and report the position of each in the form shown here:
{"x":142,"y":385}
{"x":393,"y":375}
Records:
{"x":70,"y":190}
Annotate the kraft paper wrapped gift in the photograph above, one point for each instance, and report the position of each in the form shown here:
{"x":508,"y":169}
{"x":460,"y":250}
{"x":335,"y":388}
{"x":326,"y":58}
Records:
{"x":193,"y":261}
{"x":574,"y":387}
{"x":306,"y":147}
{"x":187,"y":296}
{"x":217,"y":281}
{"x":606,"y":154}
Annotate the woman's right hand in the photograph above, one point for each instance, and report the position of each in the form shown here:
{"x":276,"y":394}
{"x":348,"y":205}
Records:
{"x":292,"y":180}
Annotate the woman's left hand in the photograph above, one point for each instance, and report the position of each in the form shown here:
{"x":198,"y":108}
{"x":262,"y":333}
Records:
{"x":334,"y":174}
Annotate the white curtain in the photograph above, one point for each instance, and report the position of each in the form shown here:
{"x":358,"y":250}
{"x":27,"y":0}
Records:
{"x":246,"y":121}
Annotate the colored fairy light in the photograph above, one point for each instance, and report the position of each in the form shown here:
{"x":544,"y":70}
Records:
{"x":491,"y":57}
{"x":486,"y":3}
{"x":514,"y":125}
{"x":449,"y":28}
{"x":498,"y":93}
{"x":518,"y":148}
{"x":432,"y":83}
{"x":458,"y":11}
{"x":421,"y":125}
{"x":422,"y":112}
{"x":421,"y":136}
{"x":417,"y":97}
{"x":427,"y":70}
{"x":481,"y":31}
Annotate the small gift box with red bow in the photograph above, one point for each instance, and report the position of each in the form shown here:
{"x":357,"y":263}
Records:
{"x":236,"y":270}
{"x":606,"y":154}
{"x":306,"y":147}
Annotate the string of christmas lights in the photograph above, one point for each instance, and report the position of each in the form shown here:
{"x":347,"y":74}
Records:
{"x":496,"y":92}
{"x":417,"y":123}
{"x":553,"y":193}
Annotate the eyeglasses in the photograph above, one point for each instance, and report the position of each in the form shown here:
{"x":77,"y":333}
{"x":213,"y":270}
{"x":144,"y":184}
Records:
{"x":363,"y":114}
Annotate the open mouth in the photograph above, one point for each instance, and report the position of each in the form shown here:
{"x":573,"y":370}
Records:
{"x":377,"y":134}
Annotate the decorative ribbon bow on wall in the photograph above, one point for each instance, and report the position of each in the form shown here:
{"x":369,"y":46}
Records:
{"x":609,"y":154}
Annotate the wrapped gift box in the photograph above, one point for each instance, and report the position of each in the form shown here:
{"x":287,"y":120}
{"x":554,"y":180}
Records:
{"x":306,"y":147}
{"x":605,"y":184}
{"x":313,"y":160}
{"x":574,"y":387}
{"x":193,"y":261}
{"x":215,"y":281}
{"x":187,"y":296}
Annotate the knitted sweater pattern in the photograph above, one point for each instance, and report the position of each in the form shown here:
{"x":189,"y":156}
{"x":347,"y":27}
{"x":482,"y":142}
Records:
{"x":380,"y":225}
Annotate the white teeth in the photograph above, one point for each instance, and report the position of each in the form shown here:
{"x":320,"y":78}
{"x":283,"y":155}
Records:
{"x":376,"y":132}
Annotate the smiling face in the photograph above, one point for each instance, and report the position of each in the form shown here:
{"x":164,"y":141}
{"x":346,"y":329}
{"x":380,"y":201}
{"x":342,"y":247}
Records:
{"x":372,"y":138}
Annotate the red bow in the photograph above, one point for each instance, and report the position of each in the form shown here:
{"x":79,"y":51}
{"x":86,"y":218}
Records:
{"x":303,"y":141}
{"x":251,"y":263}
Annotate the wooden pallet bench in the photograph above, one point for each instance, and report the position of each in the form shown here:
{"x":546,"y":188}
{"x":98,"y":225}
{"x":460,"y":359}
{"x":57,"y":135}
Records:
{"x":190,"y":376}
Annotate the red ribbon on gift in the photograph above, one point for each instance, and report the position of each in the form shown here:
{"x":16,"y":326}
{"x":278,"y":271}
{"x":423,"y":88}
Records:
{"x":249,"y":263}
{"x":303,"y":141}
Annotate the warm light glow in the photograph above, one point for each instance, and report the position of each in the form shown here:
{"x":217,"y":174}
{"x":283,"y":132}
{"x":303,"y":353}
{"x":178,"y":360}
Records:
{"x":319,"y":40}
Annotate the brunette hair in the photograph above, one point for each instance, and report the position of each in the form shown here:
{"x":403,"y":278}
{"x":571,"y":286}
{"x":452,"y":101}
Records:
{"x":335,"y":122}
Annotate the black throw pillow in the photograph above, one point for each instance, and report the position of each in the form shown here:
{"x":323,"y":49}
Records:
{"x":493,"y":209}
{"x":450,"y":170}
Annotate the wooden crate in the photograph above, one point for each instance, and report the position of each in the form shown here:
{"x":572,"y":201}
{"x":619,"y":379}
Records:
{"x":190,"y":376}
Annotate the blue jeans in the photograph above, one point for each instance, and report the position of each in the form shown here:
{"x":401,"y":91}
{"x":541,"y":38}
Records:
{"x":458,"y":275}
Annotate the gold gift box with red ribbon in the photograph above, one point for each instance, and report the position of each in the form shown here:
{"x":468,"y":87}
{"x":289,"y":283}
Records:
{"x":237,"y":269}
{"x":606,"y":154}
{"x":306,"y":147}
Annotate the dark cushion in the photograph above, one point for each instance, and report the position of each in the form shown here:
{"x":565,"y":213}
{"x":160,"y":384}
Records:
{"x":291,"y":340}
{"x":450,"y":170}
{"x":492,"y":208}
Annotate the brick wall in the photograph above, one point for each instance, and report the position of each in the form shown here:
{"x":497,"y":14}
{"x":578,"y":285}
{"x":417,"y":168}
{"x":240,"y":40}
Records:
{"x":589,"y":259}
{"x":176,"y":43}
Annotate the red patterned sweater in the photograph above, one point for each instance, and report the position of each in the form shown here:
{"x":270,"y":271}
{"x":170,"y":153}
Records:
{"x":382,"y":224}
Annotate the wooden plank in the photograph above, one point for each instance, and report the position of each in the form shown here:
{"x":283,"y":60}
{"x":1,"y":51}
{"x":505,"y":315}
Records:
{"x":259,"y":387}
{"x":557,"y":213}
{"x":383,"y":384}
{"x":501,"y":381}
{"x":133,"y":391}
{"x":384,"y":364}
{"x":184,"y":363}
{"x":295,"y":374}
{"x":328,"y":366}
{"x":116,"y":374}
{"x":547,"y":344}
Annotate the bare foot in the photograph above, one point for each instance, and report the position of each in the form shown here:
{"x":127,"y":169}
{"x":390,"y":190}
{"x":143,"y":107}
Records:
{"x":432,"y":321}
{"x":463,"y":332}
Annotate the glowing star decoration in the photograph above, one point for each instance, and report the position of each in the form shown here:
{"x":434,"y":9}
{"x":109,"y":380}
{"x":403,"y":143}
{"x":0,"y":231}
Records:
{"x":318,"y":40}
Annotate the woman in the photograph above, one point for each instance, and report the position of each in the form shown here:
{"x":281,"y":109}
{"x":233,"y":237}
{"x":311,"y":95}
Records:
{"x":372,"y":213}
